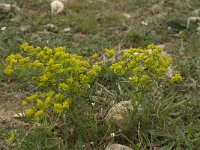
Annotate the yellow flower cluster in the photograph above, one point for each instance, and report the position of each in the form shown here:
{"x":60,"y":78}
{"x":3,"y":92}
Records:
{"x":143,"y":65}
{"x":119,"y":67}
{"x":176,"y":78}
{"x":62,"y":77}
{"x":109,"y":52}
{"x":66,"y":75}
{"x":15,"y":60}
{"x":40,"y":104}
{"x":95,"y":57}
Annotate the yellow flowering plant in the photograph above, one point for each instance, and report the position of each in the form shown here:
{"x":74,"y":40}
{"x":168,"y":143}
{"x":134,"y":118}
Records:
{"x":147,"y":70}
{"x":142,"y":66}
{"x":61,"y":78}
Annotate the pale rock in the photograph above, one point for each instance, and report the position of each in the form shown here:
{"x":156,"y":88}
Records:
{"x":144,"y":23}
{"x":3,"y":28}
{"x":118,"y":147}
{"x":127,"y":16}
{"x":51,"y":28}
{"x":119,"y":113}
{"x":19,"y":115}
{"x":57,"y":7}
{"x":67,"y":30}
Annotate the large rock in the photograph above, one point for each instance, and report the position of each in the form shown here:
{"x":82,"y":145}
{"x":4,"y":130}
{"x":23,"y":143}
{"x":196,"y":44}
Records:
{"x":6,"y":8}
{"x":57,"y":7}
{"x":118,"y":147}
{"x":119,"y":114}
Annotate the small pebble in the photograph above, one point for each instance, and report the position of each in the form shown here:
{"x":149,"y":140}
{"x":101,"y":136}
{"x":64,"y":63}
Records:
{"x":3,"y":28}
{"x":67,"y":30}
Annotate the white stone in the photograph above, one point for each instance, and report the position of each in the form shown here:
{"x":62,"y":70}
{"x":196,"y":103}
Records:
{"x":128,"y":16}
{"x":67,"y":29}
{"x":144,"y":23}
{"x":19,"y":115}
{"x":57,"y":7}
{"x":3,"y":28}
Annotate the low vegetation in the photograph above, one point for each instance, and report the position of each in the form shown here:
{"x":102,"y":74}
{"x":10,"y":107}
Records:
{"x":100,"y":53}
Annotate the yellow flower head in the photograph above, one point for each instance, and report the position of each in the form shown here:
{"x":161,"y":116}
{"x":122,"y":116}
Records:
{"x":9,"y":70}
{"x":38,"y":115}
{"x":144,"y":79}
{"x":176,"y":78}
{"x":154,"y":48}
{"x":50,"y":62}
{"x":118,"y":67}
{"x":70,"y":80}
{"x":37,"y":63}
{"x":29,"y":112}
{"x":109,"y":52}
{"x":58,"y":107}
{"x":60,"y":49}
{"x":134,"y":79}
{"x":47,"y":102}
{"x":137,"y":70}
{"x":161,"y":71}
{"x":57,"y":66}
{"x":13,"y":61}
{"x":44,"y":78}
{"x":63,"y":86}
{"x":24,"y":45}
{"x":66,"y":104}
{"x":59,"y":97}
{"x":32,"y":97}
{"x":50,"y":93}
{"x":95,"y":57}
{"x":40,"y":103}
{"x":97,"y":68}
{"x":24,"y":103}
{"x":127,"y":54}
{"x":131,"y":64}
